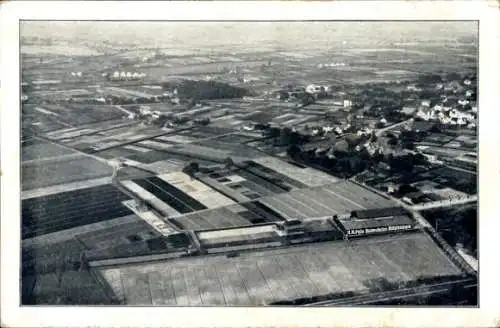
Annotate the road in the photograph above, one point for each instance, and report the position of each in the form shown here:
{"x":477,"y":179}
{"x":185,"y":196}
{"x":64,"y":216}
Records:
{"x":387,"y":128}
{"x":52,"y":159}
{"x":421,"y":220}
{"x":415,"y":210}
{"x":393,"y":294}
{"x":444,"y":203}
{"x":460,"y":169}
{"x":471,"y":260}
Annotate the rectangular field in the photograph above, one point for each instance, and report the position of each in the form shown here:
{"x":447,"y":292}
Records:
{"x":38,"y":175}
{"x":307,"y":176}
{"x":81,"y":114}
{"x":264,"y":276}
{"x":42,"y":150}
{"x":43,"y":215}
{"x":336,"y":198}
{"x":210,"y":219}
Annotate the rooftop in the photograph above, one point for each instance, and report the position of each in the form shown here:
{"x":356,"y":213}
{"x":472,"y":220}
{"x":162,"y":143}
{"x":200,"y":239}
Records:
{"x":369,"y":223}
{"x":378,"y":212}
{"x":249,"y":234}
{"x":335,"y":198}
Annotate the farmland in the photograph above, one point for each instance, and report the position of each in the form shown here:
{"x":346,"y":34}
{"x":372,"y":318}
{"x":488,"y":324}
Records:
{"x":66,"y":210}
{"x":42,"y":150}
{"x":78,"y":114}
{"x":37,"y":175}
{"x":337,"y":198}
{"x":224,"y":217}
{"x":214,"y":159}
{"x":304,"y":175}
{"x":45,"y":255}
{"x":255,"y":278}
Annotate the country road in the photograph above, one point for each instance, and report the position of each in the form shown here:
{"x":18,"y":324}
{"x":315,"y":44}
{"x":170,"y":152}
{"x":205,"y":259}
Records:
{"x":444,"y":203}
{"x":387,"y":128}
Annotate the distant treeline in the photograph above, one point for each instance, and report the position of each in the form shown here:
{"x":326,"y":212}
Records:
{"x":202,"y":90}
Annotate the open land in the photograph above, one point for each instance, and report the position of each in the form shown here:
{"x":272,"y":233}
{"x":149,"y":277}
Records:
{"x":132,"y":150}
{"x":257,"y":278}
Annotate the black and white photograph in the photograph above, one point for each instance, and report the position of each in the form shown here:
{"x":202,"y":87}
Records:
{"x":249,"y":163}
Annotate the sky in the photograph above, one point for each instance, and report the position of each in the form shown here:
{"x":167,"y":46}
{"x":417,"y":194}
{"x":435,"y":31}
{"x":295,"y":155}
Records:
{"x":247,"y":33}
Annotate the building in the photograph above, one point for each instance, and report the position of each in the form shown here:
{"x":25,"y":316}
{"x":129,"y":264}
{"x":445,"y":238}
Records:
{"x":315,"y":89}
{"x":378,"y":212}
{"x":375,"y":221}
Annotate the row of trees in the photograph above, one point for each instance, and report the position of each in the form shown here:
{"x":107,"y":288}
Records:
{"x":199,"y":90}
{"x":456,"y":226}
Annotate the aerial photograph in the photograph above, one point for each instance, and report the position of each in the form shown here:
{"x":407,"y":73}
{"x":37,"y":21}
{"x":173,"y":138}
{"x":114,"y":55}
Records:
{"x":245,"y":163}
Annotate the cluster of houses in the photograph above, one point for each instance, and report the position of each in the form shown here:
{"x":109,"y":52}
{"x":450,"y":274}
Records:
{"x":455,"y":106}
{"x":448,"y":115}
{"x":124,"y":75}
{"x":335,"y":64}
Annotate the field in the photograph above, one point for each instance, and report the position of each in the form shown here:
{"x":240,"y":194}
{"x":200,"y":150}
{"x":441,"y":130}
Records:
{"x":42,"y":150}
{"x":123,"y":92}
{"x":57,"y":50}
{"x":208,"y":68}
{"x":234,"y":148}
{"x":38,"y":122}
{"x":78,"y":114}
{"x":76,"y":288}
{"x":337,"y":198}
{"x":224,"y":217}
{"x":132,"y":154}
{"x":124,"y":233}
{"x":195,"y":152}
{"x":235,"y":138}
{"x":308,"y":176}
{"x":259,"y":277}
{"x":67,"y":210}
{"x":44,"y":174}
{"x":68,"y":235}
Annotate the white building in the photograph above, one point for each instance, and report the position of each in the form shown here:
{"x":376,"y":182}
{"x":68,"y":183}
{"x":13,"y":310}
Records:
{"x":145,"y":110}
{"x":437,"y":108}
{"x":463,"y":102}
{"x":314,"y":89}
{"x":426,"y":103}
{"x":328,"y":129}
{"x":423,"y":115}
{"x":347,"y":103}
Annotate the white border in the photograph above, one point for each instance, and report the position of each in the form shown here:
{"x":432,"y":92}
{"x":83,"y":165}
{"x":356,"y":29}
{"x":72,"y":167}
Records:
{"x":489,"y":73}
